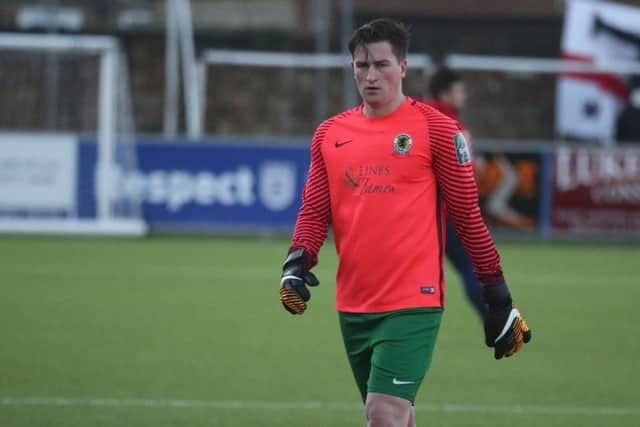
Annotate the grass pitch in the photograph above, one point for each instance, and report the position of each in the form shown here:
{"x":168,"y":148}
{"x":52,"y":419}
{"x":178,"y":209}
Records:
{"x":179,"y":331}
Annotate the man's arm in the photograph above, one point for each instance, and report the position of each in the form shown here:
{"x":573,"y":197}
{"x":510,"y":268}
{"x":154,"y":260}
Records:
{"x":314,"y":216}
{"x":310,"y":232}
{"x":505,"y":328}
{"x":457,"y":186}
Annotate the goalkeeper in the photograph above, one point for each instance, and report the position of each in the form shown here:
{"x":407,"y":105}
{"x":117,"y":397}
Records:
{"x":385,"y":174}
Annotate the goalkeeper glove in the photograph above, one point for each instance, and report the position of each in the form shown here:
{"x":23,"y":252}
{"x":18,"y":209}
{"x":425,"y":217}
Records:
{"x":504,"y":327}
{"x":293,"y":284}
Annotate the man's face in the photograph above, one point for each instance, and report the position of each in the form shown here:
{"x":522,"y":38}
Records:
{"x":456,"y":96}
{"x":378,"y":73}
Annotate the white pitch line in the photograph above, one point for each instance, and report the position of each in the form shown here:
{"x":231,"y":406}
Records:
{"x":256,"y":404}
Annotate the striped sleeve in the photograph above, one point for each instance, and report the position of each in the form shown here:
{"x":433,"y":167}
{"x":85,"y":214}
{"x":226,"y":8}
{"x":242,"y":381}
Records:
{"x":457,"y":186}
{"x":314,"y":216}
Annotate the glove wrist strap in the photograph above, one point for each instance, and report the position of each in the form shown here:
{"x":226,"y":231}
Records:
{"x":296,"y":256}
{"x":497,"y":295}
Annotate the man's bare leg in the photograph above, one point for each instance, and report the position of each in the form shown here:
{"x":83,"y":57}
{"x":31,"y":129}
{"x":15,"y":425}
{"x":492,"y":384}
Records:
{"x":412,"y":417}
{"x":384,"y":410}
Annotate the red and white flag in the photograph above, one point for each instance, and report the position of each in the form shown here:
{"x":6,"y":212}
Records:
{"x":595,"y":32}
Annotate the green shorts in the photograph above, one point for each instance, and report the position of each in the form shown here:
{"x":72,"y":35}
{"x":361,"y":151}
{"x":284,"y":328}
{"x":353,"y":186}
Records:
{"x":391,"y":352}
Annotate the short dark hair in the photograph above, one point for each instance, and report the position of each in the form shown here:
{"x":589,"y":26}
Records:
{"x":382,"y":30}
{"x":442,"y":81}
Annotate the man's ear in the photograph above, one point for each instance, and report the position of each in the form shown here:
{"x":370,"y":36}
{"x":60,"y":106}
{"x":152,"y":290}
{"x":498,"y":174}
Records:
{"x":403,"y":68}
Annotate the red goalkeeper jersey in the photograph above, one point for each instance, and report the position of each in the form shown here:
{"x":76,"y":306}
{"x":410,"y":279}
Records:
{"x":383,"y":183}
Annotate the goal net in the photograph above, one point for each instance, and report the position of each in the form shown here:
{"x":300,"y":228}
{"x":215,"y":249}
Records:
{"x":66,"y":135}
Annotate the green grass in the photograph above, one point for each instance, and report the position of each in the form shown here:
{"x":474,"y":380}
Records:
{"x":198,"y":320}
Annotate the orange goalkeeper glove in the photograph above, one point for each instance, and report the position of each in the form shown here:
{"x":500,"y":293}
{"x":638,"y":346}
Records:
{"x":504,"y":327}
{"x":293,"y":284}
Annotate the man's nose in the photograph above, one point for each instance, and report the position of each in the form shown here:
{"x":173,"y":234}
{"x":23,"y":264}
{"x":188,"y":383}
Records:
{"x":372,"y":75}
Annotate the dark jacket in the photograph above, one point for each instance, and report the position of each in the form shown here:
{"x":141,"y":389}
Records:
{"x":628,"y":125}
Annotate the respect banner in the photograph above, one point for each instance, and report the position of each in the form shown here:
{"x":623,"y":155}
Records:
{"x":239,"y":186}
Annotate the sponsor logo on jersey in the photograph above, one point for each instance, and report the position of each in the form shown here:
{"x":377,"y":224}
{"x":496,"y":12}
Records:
{"x":427,"y":290}
{"x":350,"y":180}
{"x":402,"y":144}
{"x":462,"y":148}
{"x":368,"y":179}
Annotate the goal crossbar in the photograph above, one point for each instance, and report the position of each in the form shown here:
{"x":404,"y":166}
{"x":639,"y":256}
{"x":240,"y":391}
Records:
{"x":538,"y":65}
{"x":57,"y":42}
{"x":290,"y":59}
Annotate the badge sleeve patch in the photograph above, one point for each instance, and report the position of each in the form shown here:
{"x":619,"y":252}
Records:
{"x":462,"y":148}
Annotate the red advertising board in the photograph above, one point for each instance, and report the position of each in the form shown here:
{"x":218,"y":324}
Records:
{"x":596,"y":190}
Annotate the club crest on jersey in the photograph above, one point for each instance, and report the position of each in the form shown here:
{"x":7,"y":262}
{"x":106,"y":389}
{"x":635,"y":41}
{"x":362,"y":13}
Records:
{"x":402,"y":144}
{"x":462,"y":148}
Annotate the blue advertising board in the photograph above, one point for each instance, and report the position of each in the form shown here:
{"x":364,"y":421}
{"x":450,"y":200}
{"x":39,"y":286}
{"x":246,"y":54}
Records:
{"x":196,"y":186}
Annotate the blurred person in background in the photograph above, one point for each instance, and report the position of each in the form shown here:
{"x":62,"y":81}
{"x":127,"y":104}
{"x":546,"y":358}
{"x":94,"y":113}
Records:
{"x":449,"y":96}
{"x":381,"y":174}
{"x":628,"y":123}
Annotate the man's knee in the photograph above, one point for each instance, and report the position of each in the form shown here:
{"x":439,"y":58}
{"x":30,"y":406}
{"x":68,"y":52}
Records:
{"x":387,"y":411}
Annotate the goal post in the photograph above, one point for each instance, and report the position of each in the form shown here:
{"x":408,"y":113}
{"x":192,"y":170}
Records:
{"x":114,"y":149}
